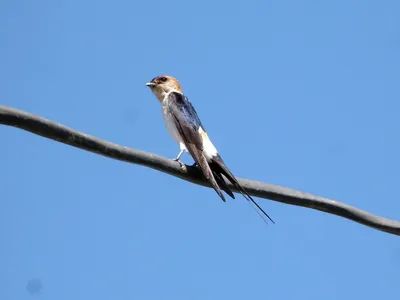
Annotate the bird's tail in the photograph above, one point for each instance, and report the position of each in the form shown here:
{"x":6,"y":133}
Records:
{"x":202,"y":163}
{"x":219,"y":168}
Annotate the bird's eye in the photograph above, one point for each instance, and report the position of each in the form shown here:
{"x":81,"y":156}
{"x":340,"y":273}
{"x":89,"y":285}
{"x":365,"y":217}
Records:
{"x":163,"y":79}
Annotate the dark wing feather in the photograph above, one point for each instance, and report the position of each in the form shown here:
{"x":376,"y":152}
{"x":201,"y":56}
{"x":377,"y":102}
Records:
{"x":222,"y":184}
{"x":188,"y":123}
{"x":218,"y":166}
{"x":191,"y":111}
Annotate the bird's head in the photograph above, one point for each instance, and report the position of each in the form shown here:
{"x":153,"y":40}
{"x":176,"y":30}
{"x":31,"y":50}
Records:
{"x":162,"y":85}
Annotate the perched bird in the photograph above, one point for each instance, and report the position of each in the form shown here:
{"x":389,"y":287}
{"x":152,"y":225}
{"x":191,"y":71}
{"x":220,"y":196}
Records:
{"x":186,"y":129}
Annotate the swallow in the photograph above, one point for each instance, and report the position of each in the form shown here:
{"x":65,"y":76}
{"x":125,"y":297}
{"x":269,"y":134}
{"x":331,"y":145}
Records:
{"x":186,"y":129}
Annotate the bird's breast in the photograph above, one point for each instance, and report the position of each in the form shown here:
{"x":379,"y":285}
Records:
{"x":169,"y":122}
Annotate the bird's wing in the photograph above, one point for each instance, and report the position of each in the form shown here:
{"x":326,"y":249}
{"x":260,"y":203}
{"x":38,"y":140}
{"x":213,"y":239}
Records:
{"x":188,"y":125}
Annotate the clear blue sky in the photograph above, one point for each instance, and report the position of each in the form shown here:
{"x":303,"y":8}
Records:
{"x":303,"y":94}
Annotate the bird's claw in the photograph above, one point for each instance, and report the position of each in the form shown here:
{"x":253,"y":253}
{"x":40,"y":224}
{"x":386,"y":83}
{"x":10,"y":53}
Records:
{"x":177,"y":160}
{"x":182,"y":165}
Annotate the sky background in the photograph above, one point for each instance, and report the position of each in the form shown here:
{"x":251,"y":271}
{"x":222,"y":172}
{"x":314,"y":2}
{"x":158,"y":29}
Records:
{"x":303,"y":94}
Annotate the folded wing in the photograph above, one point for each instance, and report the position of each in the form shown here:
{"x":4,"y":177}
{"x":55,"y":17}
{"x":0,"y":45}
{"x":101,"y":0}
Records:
{"x":188,"y":124}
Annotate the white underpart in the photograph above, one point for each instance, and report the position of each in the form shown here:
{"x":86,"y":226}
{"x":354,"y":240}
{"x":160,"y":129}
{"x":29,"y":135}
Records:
{"x":209,"y":149}
{"x":171,"y":125}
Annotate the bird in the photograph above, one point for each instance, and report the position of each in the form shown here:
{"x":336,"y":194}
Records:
{"x":186,"y":128}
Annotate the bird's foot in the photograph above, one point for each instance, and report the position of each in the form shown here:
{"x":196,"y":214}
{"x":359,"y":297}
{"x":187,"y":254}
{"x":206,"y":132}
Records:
{"x":182,"y":165}
{"x":177,"y":160}
{"x":194,"y":165}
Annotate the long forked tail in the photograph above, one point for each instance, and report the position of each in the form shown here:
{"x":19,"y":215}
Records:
{"x":218,"y":167}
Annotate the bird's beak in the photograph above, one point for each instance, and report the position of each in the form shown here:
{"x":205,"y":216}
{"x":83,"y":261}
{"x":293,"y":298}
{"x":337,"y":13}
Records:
{"x":150,"y":84}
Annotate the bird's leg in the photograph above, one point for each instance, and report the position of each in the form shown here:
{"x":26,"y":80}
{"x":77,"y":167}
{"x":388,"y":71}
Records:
{"x":178,"y":157}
